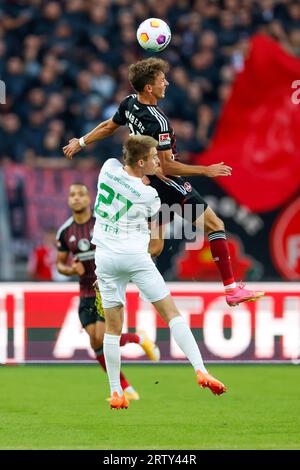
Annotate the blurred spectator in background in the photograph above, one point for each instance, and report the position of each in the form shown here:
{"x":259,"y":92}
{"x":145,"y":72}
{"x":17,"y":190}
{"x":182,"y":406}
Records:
{"x":11,"y":141}
{"x":68,"y":60}
{"x":34,"y":131}
{"x":205,"y":125}
{"x":2,"y":56}
{"x":31,"y":55}
{"x":15,"y":78}
{"x":42,"y":261}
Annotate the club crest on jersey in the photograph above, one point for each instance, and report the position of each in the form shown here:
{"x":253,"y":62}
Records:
{"x":164,"y":139}
{"x":84,"y":244}
{"x":188,"y":186}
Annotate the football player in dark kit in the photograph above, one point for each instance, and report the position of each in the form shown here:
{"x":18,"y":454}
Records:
{"x":74,"y":237}
{"x":141,"y":114}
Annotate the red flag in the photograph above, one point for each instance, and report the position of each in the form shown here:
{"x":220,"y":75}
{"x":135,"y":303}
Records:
{"x":259,"y":130}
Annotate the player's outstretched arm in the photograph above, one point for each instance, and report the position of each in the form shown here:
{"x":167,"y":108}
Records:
{"x":174,"y":168}
{"x":104,"y":129}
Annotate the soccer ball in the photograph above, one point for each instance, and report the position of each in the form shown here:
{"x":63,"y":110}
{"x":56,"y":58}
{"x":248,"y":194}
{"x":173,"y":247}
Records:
{"x":153,"y":35}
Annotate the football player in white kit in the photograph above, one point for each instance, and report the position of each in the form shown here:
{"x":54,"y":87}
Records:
{"x":123,"y":207}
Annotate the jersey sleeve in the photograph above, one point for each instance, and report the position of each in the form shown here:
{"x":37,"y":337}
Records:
{"x":60,"y":241}
{"x":162,"y":132}
{"x":119,"y":116}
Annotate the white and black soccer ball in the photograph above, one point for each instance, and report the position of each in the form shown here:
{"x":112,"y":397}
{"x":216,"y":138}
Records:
{"x":153,"y":35}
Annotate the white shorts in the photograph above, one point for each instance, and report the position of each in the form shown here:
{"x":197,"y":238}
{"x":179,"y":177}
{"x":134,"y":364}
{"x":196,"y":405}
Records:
{"x":114,"y":271}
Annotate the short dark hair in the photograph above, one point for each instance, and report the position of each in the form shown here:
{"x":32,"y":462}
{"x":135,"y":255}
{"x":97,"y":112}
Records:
{"x":137,"y":147}
{"x":80,"y":184}
{"x":145,"y":71}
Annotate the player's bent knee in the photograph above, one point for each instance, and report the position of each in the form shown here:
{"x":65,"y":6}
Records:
{"x":166,"y":308}
{"x":112,"y":330}
{"x":95,"y":345}
{"x":96,"y":342}
{"x":113,"y":326}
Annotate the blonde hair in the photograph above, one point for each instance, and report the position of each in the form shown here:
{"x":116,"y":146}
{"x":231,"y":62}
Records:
{"x":137,"y":147}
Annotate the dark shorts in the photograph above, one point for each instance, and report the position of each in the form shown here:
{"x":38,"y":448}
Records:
{"x":88,"y":312}
{"x":180,"y":196}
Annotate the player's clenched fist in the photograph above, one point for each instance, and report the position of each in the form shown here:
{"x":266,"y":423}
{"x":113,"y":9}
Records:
{"x":72,"y":148}
{"x":218,"y":169}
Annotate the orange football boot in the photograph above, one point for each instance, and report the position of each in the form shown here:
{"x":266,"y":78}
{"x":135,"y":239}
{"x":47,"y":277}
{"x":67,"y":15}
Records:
{"x":208,"y":381}
{"x":118,"y":402}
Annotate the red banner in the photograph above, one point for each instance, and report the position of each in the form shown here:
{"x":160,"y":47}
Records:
{"x":258,"y":132}
{"x":39,"y":323}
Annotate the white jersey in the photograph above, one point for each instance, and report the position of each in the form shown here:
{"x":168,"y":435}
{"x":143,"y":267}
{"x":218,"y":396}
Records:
{"x":122,"y":208}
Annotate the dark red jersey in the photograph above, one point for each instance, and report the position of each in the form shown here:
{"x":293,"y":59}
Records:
{"x":76,"y":239}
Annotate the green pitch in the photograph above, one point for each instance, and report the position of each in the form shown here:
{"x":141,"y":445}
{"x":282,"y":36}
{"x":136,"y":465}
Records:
{"x":64,"y":407}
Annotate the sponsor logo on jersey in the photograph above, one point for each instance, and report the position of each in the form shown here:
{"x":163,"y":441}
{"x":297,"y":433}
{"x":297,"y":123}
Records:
{"x":164,"y":139}
{"x":84,"y":244}
{"x":188,"y":187}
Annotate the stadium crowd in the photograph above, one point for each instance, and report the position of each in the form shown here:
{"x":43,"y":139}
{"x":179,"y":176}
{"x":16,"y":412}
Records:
{"x":64,"y":64}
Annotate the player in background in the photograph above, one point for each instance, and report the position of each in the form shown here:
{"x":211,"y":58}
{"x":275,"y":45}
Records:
{"x":74,"y":237}
{"x":141,"y":114}
{"x":121,"y":235}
